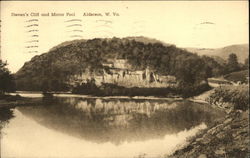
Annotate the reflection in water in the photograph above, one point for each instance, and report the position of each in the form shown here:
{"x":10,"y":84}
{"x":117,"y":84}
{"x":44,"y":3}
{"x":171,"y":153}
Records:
{"x":73,"y":127}
{"x":117,"y":121}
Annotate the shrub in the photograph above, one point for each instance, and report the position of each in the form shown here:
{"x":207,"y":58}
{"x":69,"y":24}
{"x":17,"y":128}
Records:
{"x":238,"y":96}
{"x":86,"y":88}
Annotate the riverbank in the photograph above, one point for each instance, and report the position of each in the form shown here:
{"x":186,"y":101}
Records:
{"x":201,"y":98}
{"x":31,"y":97}
{"x":11,"y":101}
{"x":227,"y":139}
{"x":198,"y":99}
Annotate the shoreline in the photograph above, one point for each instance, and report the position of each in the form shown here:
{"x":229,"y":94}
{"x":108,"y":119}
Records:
{"x":229,"y":137}
{"x":25,"y":97}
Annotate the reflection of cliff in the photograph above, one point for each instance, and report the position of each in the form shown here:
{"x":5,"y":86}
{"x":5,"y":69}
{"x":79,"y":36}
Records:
{"x":117,"y":121}
{"x":119,"y":72}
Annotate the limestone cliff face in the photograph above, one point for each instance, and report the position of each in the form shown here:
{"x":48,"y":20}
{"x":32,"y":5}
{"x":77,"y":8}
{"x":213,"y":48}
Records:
{"x":119,"y":72}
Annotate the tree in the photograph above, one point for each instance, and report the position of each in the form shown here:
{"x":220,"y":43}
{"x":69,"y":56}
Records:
{"x":7,"y":83}
{"x":214,"y":69}
{"x":232,"y":64}
{"x":191,"y":70}
{"x":246,"y":64}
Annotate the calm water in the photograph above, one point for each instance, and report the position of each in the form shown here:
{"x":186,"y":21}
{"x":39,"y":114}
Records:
{"x":95,"y":127}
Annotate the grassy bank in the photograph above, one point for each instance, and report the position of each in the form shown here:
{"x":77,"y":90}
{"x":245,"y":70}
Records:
{"x":229,"y":138}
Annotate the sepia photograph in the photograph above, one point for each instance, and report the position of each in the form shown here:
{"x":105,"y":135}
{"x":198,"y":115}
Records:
{"x":124,"y":79}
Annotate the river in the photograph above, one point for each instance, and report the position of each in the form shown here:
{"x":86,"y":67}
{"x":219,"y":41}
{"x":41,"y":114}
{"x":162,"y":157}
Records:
{"x":83,"y":127}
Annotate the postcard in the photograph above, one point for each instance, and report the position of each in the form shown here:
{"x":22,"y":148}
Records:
{"x":124,"y":79}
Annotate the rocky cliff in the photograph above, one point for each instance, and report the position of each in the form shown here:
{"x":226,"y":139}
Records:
{"x":125,"y":61}
{"x":120,"y":72}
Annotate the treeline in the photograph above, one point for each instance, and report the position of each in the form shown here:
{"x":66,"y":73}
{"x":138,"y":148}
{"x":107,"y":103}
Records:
{"x":108,"y":89}
{"x":51,"y":71}
{"x":230,"y":65}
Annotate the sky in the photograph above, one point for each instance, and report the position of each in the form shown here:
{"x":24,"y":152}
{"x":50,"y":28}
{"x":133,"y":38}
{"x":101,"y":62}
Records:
{"x":207,"y":24}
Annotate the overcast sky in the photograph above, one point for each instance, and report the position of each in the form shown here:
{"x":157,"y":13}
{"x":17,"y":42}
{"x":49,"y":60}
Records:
{"x":208,"y":24}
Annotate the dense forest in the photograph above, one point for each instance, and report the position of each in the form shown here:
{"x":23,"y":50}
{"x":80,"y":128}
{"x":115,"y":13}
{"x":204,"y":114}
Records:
{"x":51,"y":70}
